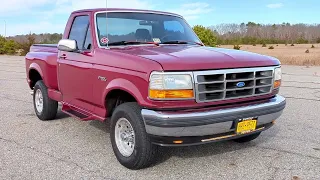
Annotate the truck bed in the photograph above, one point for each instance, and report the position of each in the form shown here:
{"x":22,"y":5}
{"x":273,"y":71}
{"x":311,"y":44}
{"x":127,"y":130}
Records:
{"x":42,"y":59}
{"x":44,"y":48}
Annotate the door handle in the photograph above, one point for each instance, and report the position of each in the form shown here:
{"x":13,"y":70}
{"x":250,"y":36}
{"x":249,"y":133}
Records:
{"x":63,"y":56}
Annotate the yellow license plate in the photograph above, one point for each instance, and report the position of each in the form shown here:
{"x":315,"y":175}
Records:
{"x":246,"y":126}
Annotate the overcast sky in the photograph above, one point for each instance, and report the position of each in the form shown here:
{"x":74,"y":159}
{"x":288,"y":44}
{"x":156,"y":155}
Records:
{"x":41,"y":16}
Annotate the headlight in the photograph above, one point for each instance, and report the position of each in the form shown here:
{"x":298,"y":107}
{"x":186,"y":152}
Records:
{"x":170,"y":86}
{"x":277,"y":78}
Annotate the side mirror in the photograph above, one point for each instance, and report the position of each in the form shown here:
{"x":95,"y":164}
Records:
{"x":67,"y":45}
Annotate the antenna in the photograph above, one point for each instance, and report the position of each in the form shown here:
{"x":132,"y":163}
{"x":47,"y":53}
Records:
{"x":107,"y":23}
{"x":5,"y":29}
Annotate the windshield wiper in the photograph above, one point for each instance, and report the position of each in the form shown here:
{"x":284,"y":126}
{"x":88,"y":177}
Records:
{"x":120,"y":43}
{"x":182,"y":42}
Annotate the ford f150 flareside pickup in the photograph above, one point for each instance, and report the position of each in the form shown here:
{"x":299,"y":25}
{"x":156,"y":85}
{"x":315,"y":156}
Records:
{"x":149,"y":73}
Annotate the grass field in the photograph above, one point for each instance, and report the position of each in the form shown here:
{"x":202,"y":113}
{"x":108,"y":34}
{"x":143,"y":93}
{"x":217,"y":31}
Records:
{"x":291,"y":55}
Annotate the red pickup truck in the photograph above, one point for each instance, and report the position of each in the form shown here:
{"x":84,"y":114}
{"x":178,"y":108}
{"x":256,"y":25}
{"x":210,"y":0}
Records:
{"x":149,"y":73}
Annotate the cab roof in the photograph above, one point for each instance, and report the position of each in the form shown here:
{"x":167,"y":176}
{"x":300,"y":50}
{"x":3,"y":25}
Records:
{"x":124,"y":10}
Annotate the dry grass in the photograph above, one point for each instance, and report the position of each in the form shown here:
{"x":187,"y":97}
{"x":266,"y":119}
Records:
{"x":292,"y":55}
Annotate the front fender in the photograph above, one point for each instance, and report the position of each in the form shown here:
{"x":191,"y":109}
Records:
{"x":124,"y":85}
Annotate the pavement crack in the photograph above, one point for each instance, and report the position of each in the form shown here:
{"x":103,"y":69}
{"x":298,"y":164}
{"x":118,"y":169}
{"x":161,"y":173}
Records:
{"x":301,"y":87}
{"x":48,"y":154}
{"x":15,"y":99}
{"x":289,"y":97}
{"x":291,"y":74}
{"x":12,"y":79}
{"x":13,"y":71}
{"x":289,"y":152}
{"x":271,"y":166}
{"x":10,"y":65}
{"x":303,"y":82}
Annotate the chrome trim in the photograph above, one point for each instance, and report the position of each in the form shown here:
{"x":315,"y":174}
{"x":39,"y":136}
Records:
{"x":230,"y":71}
{"x":237,"y":70}
{"x":67,"y":45}
{"x":217,"y":128}
{"x":210,"y":129}
{"x":217,"y":124}
{"x":140,"y":11}
{"x":174,"y":73}
{"x":229,"y":136}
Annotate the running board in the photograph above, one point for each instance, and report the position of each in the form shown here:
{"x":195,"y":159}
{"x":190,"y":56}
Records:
{"x":75,"y":112}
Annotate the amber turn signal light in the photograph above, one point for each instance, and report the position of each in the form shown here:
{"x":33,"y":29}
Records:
{"x":171,"y":94}
{"x":178,"y":142}
{"x":276,"y":84}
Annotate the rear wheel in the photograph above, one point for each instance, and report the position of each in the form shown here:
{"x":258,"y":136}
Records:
{"x":130,"y":141}
{"x":247,"y":138}
{"x":45,"y":108}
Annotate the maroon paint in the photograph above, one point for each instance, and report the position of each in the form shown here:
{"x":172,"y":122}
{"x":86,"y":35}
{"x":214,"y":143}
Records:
{"x":128,"y":69}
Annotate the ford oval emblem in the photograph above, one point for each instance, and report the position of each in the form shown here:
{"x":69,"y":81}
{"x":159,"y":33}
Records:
{"x":240,"y":84}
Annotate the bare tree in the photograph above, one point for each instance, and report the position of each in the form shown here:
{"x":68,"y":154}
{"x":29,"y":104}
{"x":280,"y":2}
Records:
{"x":285,"y":32}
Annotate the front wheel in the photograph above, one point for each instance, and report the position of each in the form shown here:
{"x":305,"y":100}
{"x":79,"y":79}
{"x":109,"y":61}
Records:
{"x":45,"y":108}
{"x":130,"y":141}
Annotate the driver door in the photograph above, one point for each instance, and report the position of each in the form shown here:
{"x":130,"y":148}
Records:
{"x":75,"y":68}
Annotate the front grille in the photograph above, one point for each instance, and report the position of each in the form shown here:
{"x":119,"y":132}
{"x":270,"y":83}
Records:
{"x":219,"y":85}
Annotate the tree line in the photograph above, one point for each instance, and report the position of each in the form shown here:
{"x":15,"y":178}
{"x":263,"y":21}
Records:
{"x":20,"y":44}
{"x":254,"y":33}
{"x":222,"y":34}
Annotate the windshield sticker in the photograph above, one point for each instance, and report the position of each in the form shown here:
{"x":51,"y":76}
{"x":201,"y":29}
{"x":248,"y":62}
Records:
{"x":156,"y":40}
{"x":104,"y":40}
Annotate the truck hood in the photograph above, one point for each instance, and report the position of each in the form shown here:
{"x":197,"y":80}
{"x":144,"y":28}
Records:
{"x":184,"y":57}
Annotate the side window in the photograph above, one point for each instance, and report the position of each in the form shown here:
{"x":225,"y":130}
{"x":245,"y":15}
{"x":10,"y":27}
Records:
{"x":79,"y":30}
{"x":88,"y":42}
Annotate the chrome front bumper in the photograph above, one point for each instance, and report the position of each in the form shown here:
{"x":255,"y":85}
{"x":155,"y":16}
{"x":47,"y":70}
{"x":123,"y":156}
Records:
{"x":173,"y":124}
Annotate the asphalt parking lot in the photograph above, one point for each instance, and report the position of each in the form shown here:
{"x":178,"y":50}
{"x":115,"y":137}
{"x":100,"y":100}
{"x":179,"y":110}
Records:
{"x":67,"y":148}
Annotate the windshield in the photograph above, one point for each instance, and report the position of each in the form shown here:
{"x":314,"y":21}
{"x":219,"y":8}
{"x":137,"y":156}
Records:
{"x":142,"y":27}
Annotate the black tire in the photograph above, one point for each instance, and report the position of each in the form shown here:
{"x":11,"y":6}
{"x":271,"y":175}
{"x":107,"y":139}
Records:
{"x":50,"y":107}
{"x":247,"y":138}
{"x":144,"y":151}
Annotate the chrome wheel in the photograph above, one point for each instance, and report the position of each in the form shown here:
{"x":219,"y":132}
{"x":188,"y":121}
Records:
{"x":38,"y":100}
{"x":124,"y":137}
